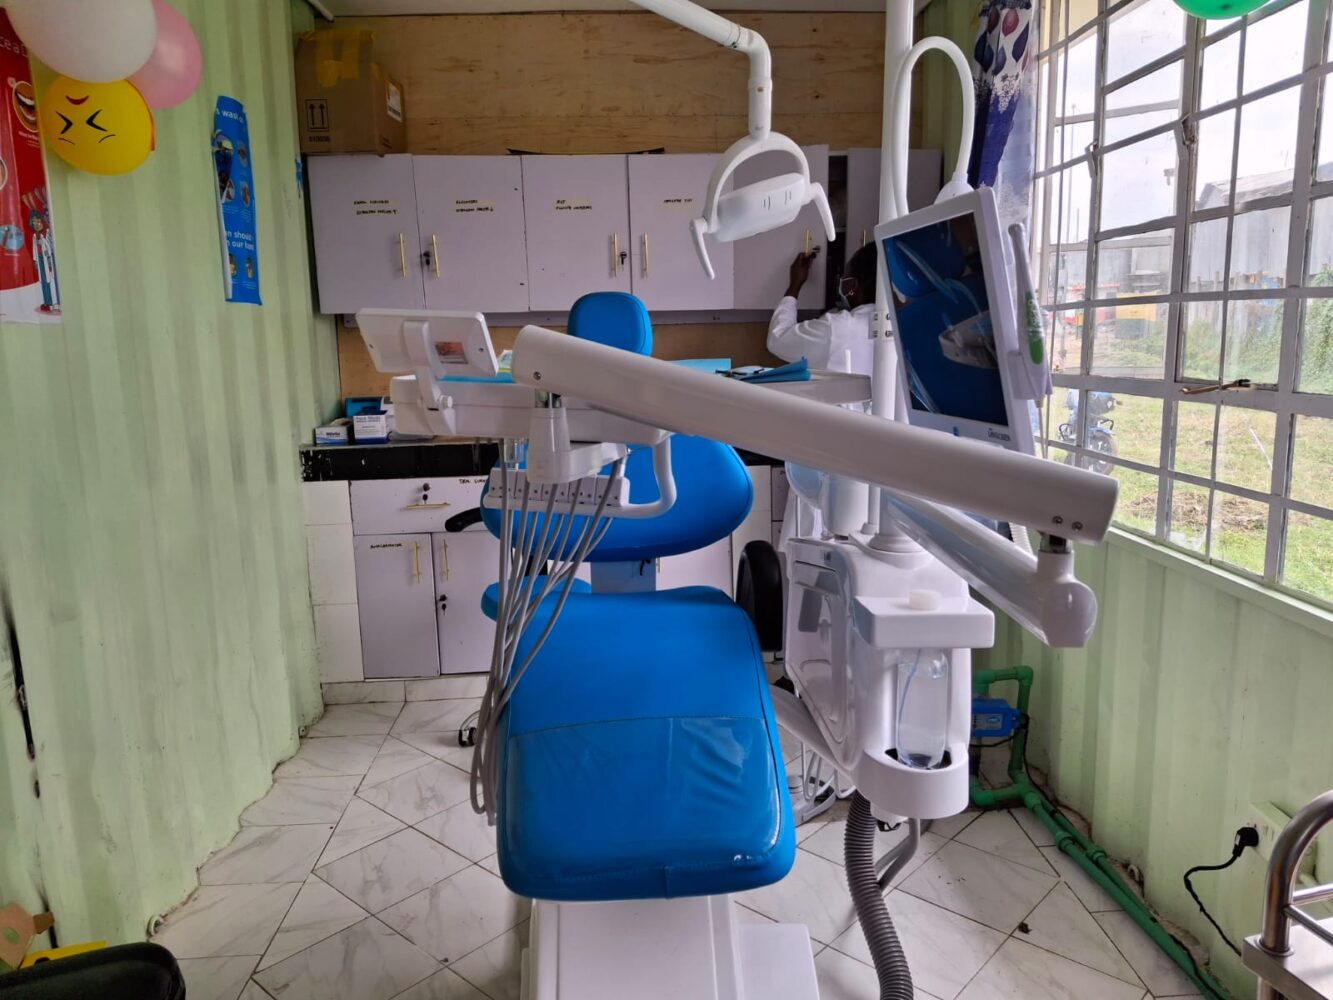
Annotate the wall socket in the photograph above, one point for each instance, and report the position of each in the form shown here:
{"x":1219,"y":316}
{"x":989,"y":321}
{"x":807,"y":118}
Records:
{"x":1269,"y":820}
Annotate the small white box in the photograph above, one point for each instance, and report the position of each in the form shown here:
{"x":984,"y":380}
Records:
{"x":338,"y":433}
{"x":370,"y":428}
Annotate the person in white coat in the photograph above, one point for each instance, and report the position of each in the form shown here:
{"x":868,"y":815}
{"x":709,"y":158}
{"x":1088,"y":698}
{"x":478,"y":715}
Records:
{"x":832,"y":341}
{"x":824,"y":340}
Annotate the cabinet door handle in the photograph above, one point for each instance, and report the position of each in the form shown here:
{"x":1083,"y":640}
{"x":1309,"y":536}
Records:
{"x":645,"y":255}
{"x":402,"y":255}
{"x":807,"y":243}
{"x":416,"y":562}
{"x":435,"y":253}
{"x":427,"y":506}
{"x":863,"y":237}
{"x":615,"y":255}
{"x":444,"y":563}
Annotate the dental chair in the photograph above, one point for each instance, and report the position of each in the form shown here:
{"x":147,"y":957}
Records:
{"x":641,"y":778}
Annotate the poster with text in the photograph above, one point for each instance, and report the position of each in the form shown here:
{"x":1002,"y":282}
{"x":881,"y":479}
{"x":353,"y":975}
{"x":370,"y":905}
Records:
{"x":29,"y":289}
{"x":234,"y":167}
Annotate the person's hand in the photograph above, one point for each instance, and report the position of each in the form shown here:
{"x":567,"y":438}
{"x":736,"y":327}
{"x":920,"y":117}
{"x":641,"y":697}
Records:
{"x":800,"y":273}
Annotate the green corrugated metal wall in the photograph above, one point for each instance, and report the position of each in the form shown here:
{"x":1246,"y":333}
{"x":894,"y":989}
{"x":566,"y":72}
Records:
{"x":151,"y":539}
{"x":1199,"y":694}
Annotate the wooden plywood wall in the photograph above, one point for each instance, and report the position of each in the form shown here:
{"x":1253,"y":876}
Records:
{"x":618,"y":83}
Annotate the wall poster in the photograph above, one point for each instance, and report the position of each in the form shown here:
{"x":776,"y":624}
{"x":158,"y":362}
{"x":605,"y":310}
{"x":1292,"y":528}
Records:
{"x":237,"y":214}
{"x":29,"y":288}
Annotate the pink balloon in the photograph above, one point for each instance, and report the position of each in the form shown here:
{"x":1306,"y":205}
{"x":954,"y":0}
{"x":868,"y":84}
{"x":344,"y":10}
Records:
{"x":174,"y":69}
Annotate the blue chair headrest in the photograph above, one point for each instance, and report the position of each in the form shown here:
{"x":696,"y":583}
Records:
{"x":616,"y":319}
{"x":713,"y":490}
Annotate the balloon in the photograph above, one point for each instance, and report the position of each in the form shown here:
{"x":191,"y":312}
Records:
{"x":104,"y":128}
{"x":173,"y":70}
{"x":94,"y":40}
{"x":1219,"y":8}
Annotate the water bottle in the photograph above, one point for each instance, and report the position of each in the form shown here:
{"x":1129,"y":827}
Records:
{"x":923,"y":707}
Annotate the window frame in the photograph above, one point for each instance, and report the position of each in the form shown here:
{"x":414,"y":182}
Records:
{"x":1051,"y":66}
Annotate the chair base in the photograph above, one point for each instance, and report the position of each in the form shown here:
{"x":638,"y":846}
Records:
{"x":663,"y":949}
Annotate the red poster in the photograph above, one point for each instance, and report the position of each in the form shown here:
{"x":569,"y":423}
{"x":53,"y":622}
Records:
{"x":29,"y":290}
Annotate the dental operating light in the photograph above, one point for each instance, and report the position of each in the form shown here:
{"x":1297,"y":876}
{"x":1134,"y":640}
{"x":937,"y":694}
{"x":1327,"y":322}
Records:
{"x":766,"y":204}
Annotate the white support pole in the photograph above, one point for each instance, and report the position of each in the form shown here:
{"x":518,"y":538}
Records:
{"x":898,"y":16}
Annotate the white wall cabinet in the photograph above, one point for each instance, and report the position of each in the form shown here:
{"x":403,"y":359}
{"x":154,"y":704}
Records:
{"x":762,"y":262}
{"x":577,"y":210}
{"x":412,"y":232}
{"x":365,"y":231}
{"x":473,"y":243}
{"x":508,"y":234}
{"x":666,"y":192}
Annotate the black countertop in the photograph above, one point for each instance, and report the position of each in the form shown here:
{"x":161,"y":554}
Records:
{"x":416,"y":459}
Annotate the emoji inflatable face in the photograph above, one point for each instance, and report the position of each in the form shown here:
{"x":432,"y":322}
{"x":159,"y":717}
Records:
{"x":25,"y":103}
{"x":104,"y":128}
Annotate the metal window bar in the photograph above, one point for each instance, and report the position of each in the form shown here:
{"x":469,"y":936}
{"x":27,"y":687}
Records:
{"x":1285,"y":401}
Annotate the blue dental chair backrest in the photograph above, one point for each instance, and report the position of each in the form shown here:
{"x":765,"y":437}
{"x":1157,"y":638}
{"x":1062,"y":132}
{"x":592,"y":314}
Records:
{"x":713,"y":490}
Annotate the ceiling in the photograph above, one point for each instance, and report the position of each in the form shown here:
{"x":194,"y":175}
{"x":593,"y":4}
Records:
{"x":384,"y":7}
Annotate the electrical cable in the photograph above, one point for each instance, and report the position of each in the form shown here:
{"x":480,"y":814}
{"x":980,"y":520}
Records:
{"x":1246,"y":836}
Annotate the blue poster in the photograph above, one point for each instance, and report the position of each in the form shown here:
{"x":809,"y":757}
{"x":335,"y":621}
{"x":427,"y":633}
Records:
{"x":236,"y":202}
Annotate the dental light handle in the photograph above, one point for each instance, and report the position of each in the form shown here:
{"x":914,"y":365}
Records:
{"x":732,"y":36}
{"x":698,"y":227}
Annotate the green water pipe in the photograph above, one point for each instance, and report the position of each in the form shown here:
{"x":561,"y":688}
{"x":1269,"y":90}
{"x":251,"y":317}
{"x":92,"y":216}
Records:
{"x":1086,"y":854}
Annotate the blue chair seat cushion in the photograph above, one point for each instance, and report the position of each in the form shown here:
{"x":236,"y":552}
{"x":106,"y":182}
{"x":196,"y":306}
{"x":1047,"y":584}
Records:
{"x":640,"y":754}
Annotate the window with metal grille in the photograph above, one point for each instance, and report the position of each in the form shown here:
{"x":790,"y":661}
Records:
{"x":1183,"y":238}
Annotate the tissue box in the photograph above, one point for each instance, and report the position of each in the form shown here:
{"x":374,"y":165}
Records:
{"x":338,"y":432}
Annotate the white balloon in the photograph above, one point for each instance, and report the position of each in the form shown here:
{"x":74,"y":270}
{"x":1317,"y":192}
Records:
{"x":97,"y":41}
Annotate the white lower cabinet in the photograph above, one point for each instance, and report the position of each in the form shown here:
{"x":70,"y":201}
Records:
{"x":466,"y":563}
{"x":418,"y":593}
{"x":395,"y":595}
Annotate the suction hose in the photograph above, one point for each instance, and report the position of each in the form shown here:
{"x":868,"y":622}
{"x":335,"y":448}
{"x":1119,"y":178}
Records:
{"x":895,"y":978}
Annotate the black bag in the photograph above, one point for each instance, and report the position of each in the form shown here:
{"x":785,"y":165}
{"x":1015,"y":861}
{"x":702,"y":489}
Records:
{"x":125,"y":972}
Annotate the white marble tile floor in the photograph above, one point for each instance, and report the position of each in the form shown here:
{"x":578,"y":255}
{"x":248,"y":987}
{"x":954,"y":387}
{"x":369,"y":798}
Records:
{"x":364,"y":875}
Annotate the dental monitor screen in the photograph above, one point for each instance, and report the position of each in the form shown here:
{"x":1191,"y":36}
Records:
{"x":953,"y":319}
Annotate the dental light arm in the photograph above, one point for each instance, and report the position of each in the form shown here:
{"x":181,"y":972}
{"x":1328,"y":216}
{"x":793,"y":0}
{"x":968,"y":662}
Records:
{"x":774,"y":201}
{"x":994,"y":482}
{"x":732,"y":36}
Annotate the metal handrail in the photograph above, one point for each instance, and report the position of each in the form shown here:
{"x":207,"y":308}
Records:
{"x":1283,"y":867}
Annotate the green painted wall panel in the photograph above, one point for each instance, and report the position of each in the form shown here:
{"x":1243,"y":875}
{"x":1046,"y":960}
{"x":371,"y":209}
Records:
{"x":1198,"y":695}
{"x":151,"y":544}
